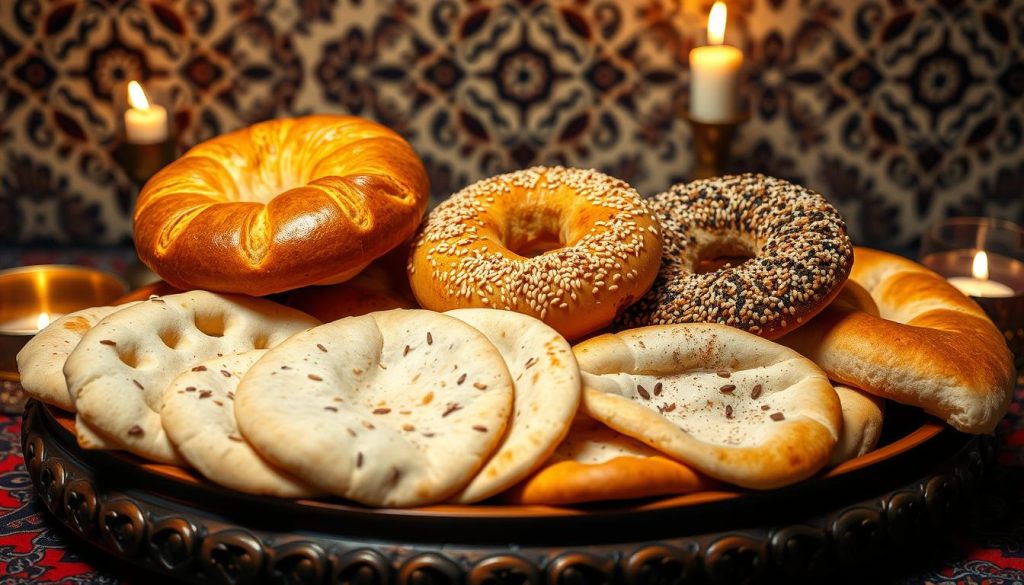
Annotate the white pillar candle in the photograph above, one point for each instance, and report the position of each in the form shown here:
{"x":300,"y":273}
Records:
{"x":714,"y":74}
{"x":144,"y":123}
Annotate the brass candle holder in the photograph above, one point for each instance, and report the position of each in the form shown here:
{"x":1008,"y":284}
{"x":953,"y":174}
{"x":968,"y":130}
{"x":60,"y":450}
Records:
{"x":31,"y":297}
{"x":142,"y":161}
{"x":712,"y":142}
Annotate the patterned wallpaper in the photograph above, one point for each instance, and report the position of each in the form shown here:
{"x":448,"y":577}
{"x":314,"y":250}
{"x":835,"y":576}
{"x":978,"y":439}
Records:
{"x":899,"y":111}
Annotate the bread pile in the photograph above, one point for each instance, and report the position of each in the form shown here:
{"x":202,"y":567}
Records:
{"x":351,"y":390}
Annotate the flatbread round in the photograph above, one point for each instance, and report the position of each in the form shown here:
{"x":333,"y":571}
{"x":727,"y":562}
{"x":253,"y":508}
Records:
{"x":396,"y":408}
{"x":863,"y":415}
{"x":198,"y":414}
{"x":41,"y":361}
{"x":547,"y":394}
{"x":117,"y":374}
{"x":596,"y":463}
{"x":732,"y":405}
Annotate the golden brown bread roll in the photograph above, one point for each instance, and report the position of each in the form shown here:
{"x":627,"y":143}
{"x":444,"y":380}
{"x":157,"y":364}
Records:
{"x":280,"y":205}
{"x":930,"y":346}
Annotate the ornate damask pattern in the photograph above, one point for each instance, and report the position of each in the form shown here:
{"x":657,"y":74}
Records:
{"x":900,"y":112}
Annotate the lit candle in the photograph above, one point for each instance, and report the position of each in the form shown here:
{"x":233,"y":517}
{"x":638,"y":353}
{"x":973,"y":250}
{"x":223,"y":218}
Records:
{"x":714,"y":74}
{"x":979,"y":284}
{"x":144,"y":123}
{"x":28,"y":323}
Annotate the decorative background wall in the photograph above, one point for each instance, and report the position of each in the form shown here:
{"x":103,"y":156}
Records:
{"x":900,"y":112}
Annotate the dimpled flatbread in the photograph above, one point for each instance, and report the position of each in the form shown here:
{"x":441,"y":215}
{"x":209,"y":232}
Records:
{"x":117,"y":374}
{"x":732,"y":405}
{"x":395,"y":408}
{"x":198,"y":414}
{"x":596,"y":463}
{"x":547,"y":394}
{"x":41,"y":361}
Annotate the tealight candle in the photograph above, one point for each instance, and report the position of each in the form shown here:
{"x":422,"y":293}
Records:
{"x":30,"y":298}
{"x":979,"y":284}
{"x":144,"y":123}
{"x":714,"y":74}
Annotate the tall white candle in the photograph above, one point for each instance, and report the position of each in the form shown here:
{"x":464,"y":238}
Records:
{"x":714,"y":74}
{"x":144,"y":123}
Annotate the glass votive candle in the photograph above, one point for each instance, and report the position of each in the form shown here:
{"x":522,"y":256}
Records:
{"x":984,"y":258}
{"x":31,"y":297}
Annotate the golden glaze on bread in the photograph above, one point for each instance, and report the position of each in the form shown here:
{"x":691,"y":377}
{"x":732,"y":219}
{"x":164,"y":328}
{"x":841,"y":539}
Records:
{"x":572,"y":247}
{"x":930,"y":346}
{"x":280,"y":205}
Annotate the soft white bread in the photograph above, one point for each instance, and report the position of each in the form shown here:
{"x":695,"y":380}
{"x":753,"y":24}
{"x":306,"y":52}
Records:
{"x":863,"y":415}
{"x":929,"y":345}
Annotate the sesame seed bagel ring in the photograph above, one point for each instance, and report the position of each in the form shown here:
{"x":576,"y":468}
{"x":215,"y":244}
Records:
{"x":799,"y":252}
{"x":571,"y":247}
{"x":280,"y":205}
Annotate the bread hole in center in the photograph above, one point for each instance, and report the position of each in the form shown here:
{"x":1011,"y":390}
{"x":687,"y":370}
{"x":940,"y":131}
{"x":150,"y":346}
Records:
{"x":170,"y":337}
{"x":128,"y":356}
{"x":534,"y":232}
{"x":723,"y":253}
{"x":212,"y":325}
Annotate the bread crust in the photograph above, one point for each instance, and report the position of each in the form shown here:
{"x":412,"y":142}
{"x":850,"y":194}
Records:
{"x":280,"y":205}
{"x":930,"y":346}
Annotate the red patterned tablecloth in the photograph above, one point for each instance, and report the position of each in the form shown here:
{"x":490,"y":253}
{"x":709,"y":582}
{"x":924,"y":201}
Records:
{"x":35,"y":549}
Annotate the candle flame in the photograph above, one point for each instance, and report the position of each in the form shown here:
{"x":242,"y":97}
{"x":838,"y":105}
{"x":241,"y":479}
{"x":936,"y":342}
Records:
{"x":979,"y":268}
{"x":716,"y":23}
{"x":43,"y":320}
{"x":137,"y":96}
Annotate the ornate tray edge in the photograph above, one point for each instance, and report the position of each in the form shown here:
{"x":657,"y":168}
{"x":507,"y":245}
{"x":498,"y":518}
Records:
{"x":187,"y":544}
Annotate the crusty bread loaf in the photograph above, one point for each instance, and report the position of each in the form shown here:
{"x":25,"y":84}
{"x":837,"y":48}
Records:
{"x":280,"y":205}
{"x":930,"y":346}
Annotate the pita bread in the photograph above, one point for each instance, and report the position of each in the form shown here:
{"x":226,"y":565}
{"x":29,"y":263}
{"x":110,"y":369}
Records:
{"x":596,"y":463}
{"x":198,"y":415}
{"x":732,"y":405}
{"x":863,"y":415}
{"x":41,"y":361}
{"x":117,"y":374}
{"x":396,"y":408}
{"x":547,"y":394}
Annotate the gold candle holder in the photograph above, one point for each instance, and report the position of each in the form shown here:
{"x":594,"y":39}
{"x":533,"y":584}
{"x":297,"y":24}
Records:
{"x":31,"y":297}
{"x":712,"y":142}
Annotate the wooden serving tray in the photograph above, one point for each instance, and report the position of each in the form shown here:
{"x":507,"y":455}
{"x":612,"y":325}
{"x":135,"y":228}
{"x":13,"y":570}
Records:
{"x":890,"y":503}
